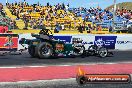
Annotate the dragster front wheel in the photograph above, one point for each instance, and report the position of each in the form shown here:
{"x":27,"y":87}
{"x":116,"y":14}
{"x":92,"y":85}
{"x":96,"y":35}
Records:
{"x":103,"y":52}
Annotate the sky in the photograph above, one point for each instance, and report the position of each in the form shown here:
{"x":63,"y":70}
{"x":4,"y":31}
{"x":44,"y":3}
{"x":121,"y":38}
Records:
{"x":73,"y":3}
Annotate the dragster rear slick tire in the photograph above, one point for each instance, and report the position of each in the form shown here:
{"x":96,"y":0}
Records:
{"x":44,"y":50}
{"x":32,"y":51}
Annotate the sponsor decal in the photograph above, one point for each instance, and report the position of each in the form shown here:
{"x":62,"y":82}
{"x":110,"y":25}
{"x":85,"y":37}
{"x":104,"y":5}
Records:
{"x":63,"y":38}
{"x":87,"y":43}
{"x":99,"y":42}
{"x":8,"y":42}
{"x":106,"y":41}
{"x":124,"y":42}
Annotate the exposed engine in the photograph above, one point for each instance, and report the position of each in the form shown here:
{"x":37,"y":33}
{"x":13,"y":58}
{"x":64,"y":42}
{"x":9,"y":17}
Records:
{"x":78,"y":46}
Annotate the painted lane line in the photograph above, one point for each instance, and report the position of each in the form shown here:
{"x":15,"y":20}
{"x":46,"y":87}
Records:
{"x":38,"y":81}
{"x":77,"y":64}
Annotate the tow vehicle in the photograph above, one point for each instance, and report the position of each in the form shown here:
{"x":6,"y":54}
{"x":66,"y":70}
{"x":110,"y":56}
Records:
{"x":45,"y":46}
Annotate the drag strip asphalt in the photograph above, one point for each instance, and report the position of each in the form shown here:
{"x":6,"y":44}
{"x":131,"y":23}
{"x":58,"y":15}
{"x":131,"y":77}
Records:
{"x":60,"y":83}
{"x":26,"y":60}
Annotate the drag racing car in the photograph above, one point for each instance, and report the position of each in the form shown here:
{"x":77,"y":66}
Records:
{"x":45,"y":46}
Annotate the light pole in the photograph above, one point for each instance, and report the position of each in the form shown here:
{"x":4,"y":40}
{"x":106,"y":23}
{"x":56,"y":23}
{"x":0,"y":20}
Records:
{"x":114,"y":15}
{"x":114,"y":5}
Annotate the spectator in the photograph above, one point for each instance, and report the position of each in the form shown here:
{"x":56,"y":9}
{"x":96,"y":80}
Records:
{"x":99,"y":28}
{"x":48,"y":4}
{"x":88,"y":28}
{"x":50,"y":13}
{"x":1,"y":7}
{"x":3,"y":28}
{"x":62,"y":27}
{"x":110,"y":29}
{"x":17,"y":14}
{"x":26,"y":20}
{"x":80,"y":28}
{"x":57,"y":28}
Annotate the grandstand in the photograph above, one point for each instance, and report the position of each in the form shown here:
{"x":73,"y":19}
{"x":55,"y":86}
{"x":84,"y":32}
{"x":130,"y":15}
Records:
{"x":61,"y":18}
{"x":19,"y":23}
{"x":6,"y":23}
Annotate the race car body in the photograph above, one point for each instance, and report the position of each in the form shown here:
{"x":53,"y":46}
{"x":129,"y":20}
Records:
{"x":45,"y":46}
